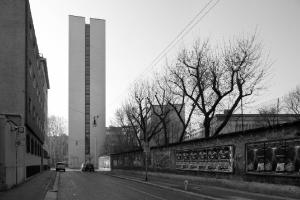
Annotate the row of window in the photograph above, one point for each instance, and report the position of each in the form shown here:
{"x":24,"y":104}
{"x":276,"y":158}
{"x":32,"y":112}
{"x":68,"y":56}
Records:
{"x":32,"y":111}
{"x":41,"y":91}
{"x":33,"y":146}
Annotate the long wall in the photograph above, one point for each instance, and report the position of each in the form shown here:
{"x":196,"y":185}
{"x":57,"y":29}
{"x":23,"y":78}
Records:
{"x":264,"y":155}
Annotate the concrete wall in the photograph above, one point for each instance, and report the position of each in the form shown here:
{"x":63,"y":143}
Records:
{"x":12,"y":56}
{"x":135,"y":160}
{"x":97,"y":87}
{"x":12,"y":168}
{"x":76,"y":90}
{"x":18,"y":47}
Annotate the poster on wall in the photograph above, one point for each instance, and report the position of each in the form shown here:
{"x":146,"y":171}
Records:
{"x":214,"y":159}
{"x":274,"y":157}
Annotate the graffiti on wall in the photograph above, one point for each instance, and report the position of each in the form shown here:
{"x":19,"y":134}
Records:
{"x":274,"y":157}
{"x":161,"y":159}
{"x":127,"y":160}
{"x":214,"y":159}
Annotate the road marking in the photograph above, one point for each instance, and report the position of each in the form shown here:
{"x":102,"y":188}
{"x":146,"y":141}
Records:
{"x":152,"y":195}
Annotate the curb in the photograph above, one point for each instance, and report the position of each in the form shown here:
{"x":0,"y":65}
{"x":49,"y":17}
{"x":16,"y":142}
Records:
{"x":52,"y":194}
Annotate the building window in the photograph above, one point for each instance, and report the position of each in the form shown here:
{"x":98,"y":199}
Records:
{"x":27,"y":143}
{"x":31,"y":146}
{"x":35,"y":148}
{"x":39,"y":150}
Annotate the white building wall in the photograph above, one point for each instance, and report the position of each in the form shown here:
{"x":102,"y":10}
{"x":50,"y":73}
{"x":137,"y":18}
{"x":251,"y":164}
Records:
{"x":97,"y":88}
{"x":76,"y":90}
{"x":12,"y":156}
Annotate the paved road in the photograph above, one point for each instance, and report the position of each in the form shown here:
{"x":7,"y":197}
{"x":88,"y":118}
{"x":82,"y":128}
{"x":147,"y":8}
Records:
{"x":212,"y":191}
{"x":85,"y":186}
{"x":96,"y":186}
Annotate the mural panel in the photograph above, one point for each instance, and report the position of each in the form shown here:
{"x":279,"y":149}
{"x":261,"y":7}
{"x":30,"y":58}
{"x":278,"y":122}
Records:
{"x":213,"y":159}
{"x":274,"y":157}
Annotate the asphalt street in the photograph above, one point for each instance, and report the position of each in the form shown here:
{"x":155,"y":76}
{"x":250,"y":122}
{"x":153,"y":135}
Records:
{"x":90,"y":186}
{"x":75,"y":185}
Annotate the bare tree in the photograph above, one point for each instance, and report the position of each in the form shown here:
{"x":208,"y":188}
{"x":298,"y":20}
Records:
{"x":268,"y":115}
{"x":292,"y":102}
{"x":138,"y":112}
{"x":129,"y":134}
{"x":56,"y":140}
{"x":212,"y":78}
{"x":177,"y":98}
{"x":160,"y":110}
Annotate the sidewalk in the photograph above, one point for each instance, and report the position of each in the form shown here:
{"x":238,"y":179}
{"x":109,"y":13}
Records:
{"x":211,"y":186}
{"x":33,"y":189}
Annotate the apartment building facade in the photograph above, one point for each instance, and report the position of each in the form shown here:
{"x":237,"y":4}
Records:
{"x":24,"y":88}
{"x":86,"y":90}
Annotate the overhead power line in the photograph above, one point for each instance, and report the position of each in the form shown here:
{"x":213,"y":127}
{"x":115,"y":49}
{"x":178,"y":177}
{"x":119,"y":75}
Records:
{"x":190,"y":25}
{"x":180,"y":34}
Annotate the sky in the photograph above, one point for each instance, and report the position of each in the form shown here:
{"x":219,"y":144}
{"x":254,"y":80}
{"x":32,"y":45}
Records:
{"x":137,"y":31}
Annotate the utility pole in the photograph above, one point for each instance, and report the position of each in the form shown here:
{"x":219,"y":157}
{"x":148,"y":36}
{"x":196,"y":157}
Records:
{"x":242,"y":111}
{"x":277,"y":110}
{"x":146,"y":150}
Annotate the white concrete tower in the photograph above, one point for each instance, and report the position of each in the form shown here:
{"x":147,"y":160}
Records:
{"x":86,"y":90}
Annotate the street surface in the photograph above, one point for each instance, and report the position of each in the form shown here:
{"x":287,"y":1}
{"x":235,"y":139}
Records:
{"x":75,"y":185}
{"x":89,"y":186}
{"x":33,"y":189}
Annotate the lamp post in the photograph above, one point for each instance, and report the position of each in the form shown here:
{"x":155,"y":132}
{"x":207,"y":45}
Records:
{"x":95,"y":117}
{"x":146,"y":150}
{"x":18,"y":130}
{"x":146,"y":161}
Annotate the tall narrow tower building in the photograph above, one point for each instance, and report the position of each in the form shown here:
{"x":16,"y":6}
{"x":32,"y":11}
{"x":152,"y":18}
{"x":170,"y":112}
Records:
{"x":86,"y":90}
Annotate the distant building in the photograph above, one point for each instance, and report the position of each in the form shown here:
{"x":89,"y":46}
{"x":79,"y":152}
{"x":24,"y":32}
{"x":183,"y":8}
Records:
{"x":193,"y":134}
{"x":86,"y":90}
{"x":173,"y":123}
{"x":24,"y":88}
{"x":112,"y":139}
{"x":119,"y":139}
{"x":240,"y":122}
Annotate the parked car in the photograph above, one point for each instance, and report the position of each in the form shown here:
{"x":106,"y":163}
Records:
{"x":87,"y":167}
{"x":60,"y":166}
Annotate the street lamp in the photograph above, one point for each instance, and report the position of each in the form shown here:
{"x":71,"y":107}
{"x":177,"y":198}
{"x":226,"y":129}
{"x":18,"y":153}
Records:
{"x":146,"y":150}
{"x":17,"y":129}
{"x":95,"y":125}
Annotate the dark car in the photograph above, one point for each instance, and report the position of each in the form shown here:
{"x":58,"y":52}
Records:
{"x":87,"y":167}
{"x":60,"y":166}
